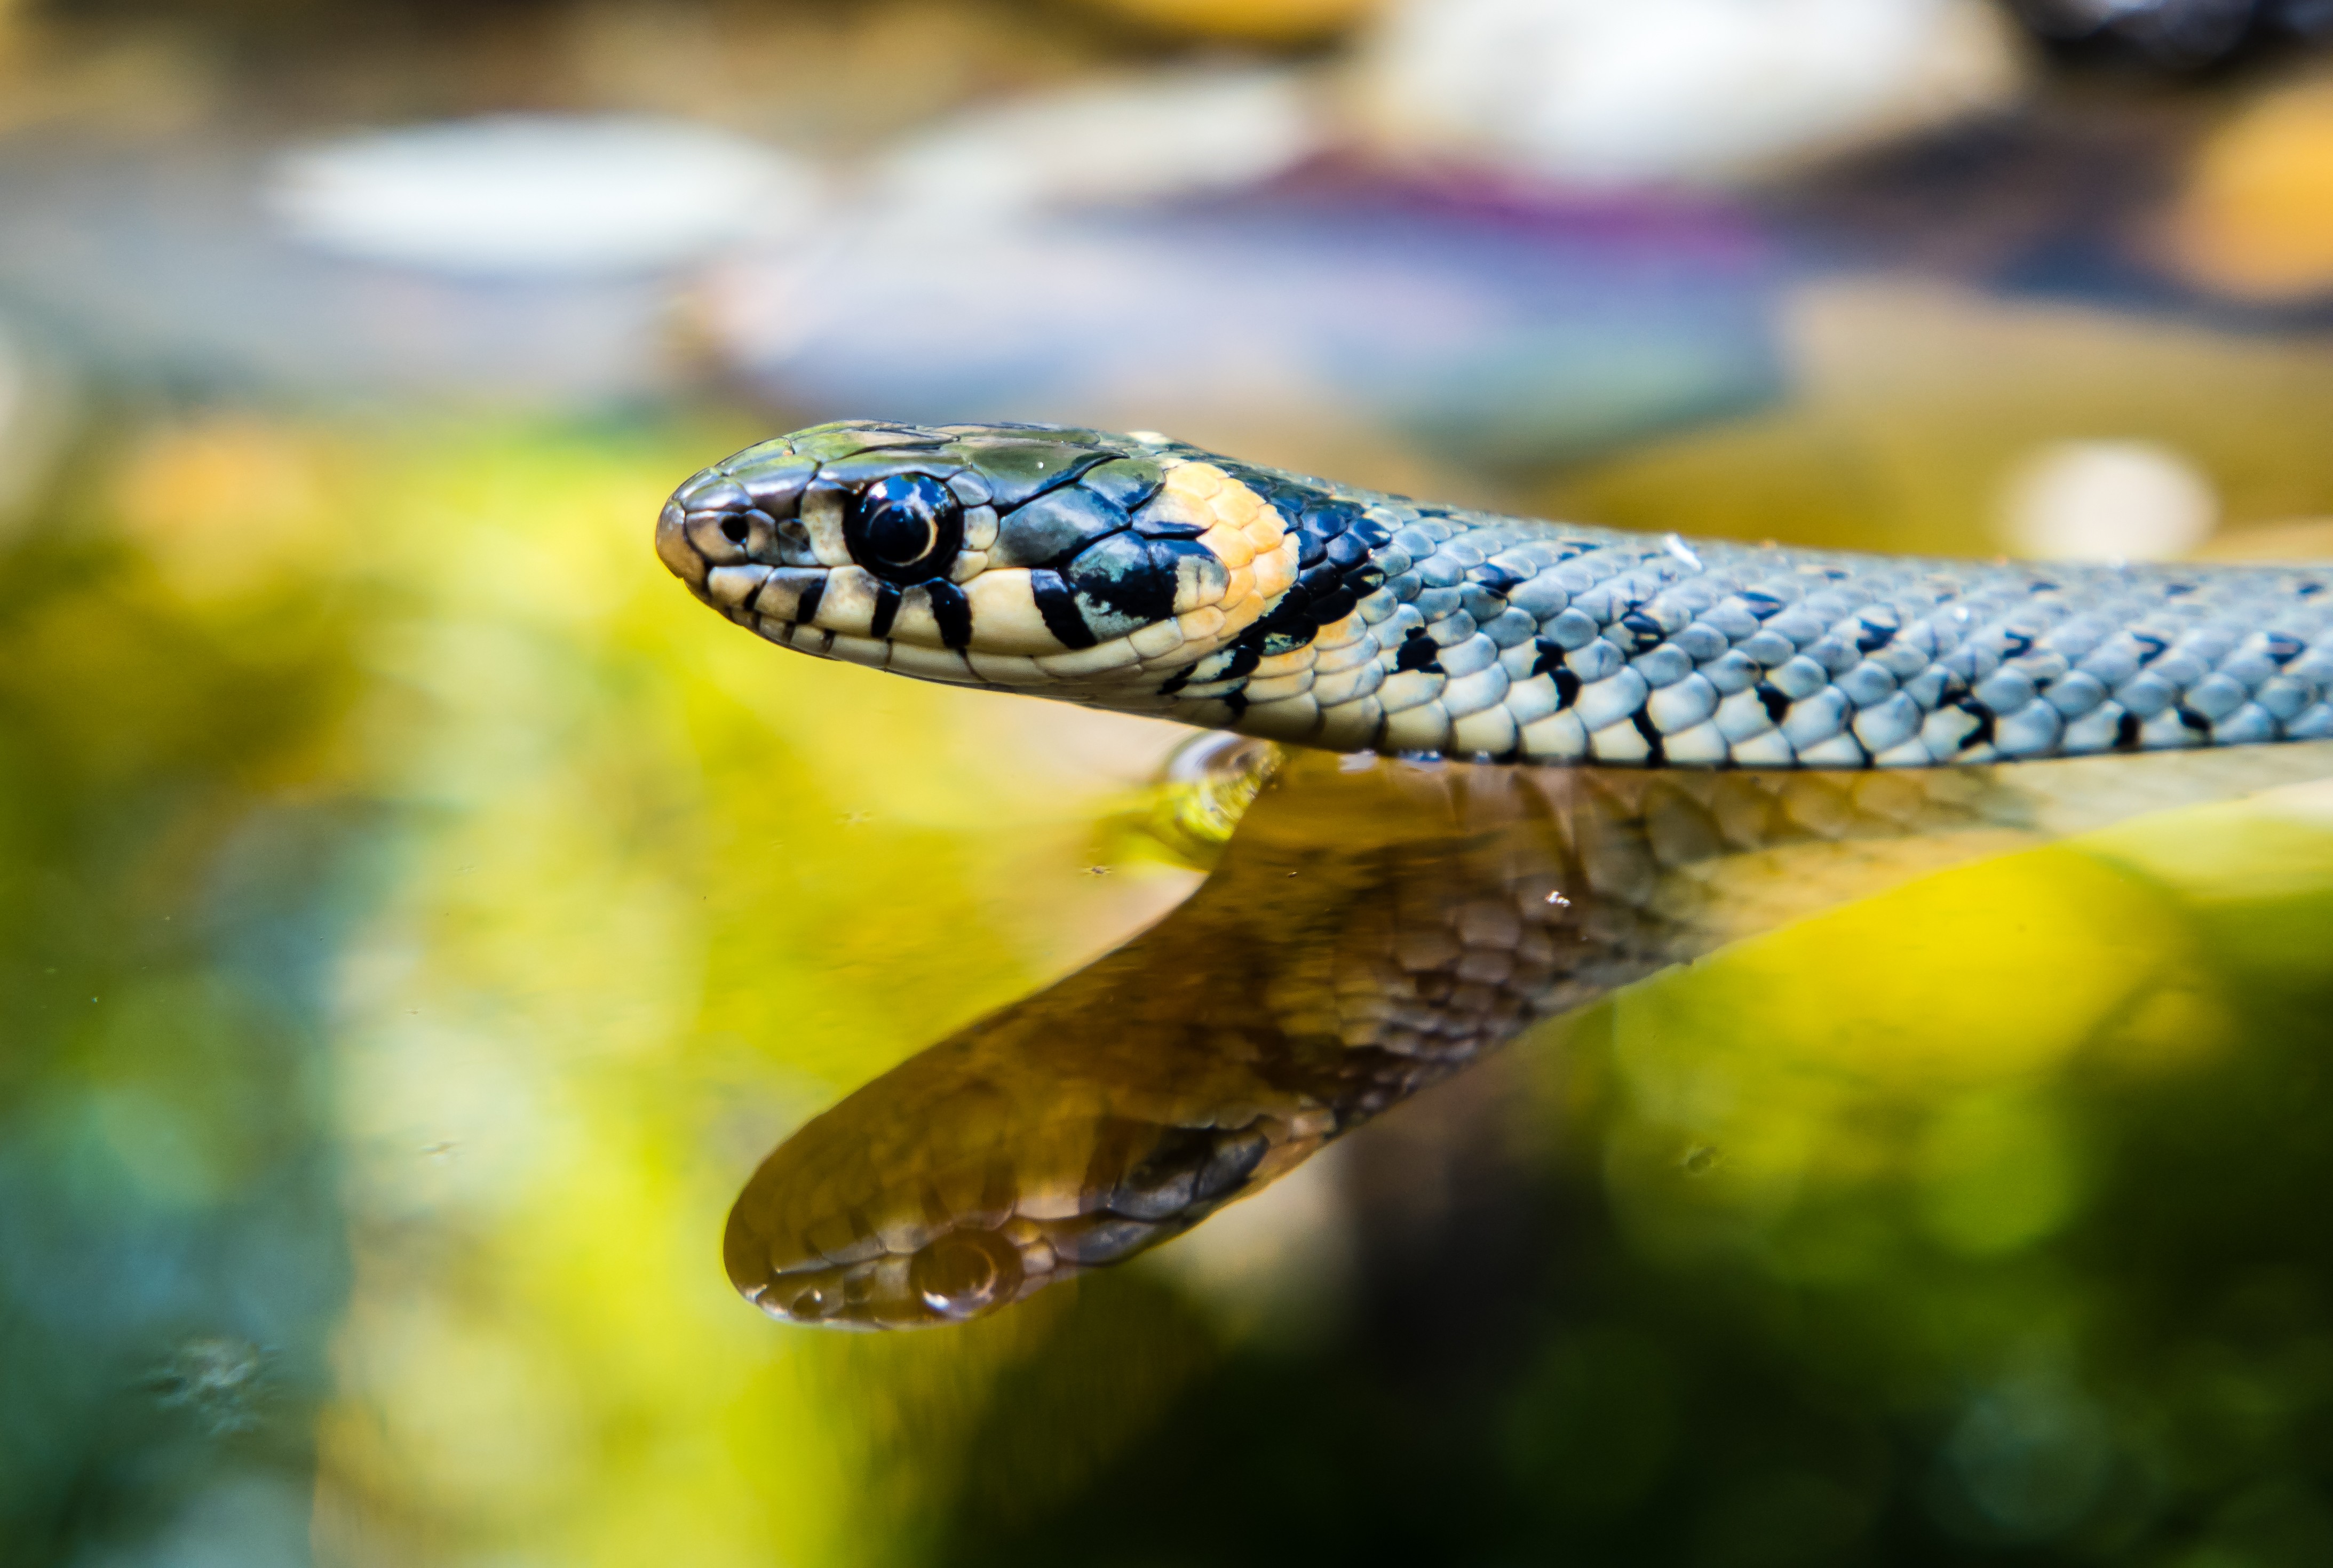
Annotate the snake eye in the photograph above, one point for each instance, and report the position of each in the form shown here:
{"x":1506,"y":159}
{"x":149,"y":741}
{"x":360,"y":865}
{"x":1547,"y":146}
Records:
{"x":905,"y":528}
{"x":965,"y":1273}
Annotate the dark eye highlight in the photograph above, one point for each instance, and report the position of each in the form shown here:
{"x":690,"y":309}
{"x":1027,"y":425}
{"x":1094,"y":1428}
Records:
{"x":904,"y":529}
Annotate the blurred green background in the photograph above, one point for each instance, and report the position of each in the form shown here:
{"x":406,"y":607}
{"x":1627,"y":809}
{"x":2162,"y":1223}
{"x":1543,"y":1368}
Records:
{"x":421,"y":918}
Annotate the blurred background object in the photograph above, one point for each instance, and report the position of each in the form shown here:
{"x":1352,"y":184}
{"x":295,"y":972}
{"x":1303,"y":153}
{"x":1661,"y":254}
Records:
{"x":2181,"y":34}
{"x":1915,"y":405}
{"x":418,"y":921}
{"x":2255,"y":220}
{"x":535,"y":195}
{"x":1114,"y":143}
{"x":1678,"y":90}
{"x":2107,"y":501}
{"x":1456,"y":333}
{"x":1247,"y":21}
{"x":2303,"y":539}
{"x":40,"y":403}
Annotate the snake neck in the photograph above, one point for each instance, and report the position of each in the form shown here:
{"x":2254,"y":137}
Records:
{"x":1421,"y":629}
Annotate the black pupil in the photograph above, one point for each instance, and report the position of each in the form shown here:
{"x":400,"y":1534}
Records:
{"x":903,"y":518}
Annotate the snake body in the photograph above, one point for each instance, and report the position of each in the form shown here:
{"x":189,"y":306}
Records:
{"x":1137,"y":573}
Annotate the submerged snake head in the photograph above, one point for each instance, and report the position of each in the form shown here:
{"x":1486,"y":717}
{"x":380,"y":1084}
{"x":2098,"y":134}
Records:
{"x":941,"y":1192}
{"x":1108,"y":568}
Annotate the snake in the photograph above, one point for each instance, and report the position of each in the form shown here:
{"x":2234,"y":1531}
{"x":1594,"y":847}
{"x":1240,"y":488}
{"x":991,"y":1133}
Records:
{"x":1138,"y":573}
{"x":1767,"y":733}
{"x":1368,"y":932}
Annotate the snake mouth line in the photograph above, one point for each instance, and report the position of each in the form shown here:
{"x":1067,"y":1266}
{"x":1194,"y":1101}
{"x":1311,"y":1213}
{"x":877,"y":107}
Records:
{"x":785,"y":634}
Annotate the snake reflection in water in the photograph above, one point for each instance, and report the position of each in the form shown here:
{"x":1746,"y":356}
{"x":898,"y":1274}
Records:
{"x":1782,"y":719}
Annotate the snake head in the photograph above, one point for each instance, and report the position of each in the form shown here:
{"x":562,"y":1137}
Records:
{"x":956,"y":1185}
{"x":1035,"y":558}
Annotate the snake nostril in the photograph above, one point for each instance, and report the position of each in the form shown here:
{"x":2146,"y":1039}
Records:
{"x":809,"y":1303}
{"x":734,"y":528}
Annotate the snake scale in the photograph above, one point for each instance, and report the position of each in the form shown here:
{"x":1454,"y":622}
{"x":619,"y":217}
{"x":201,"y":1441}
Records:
{"x":1137,"y":573}
{"x":1371,"y":931}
